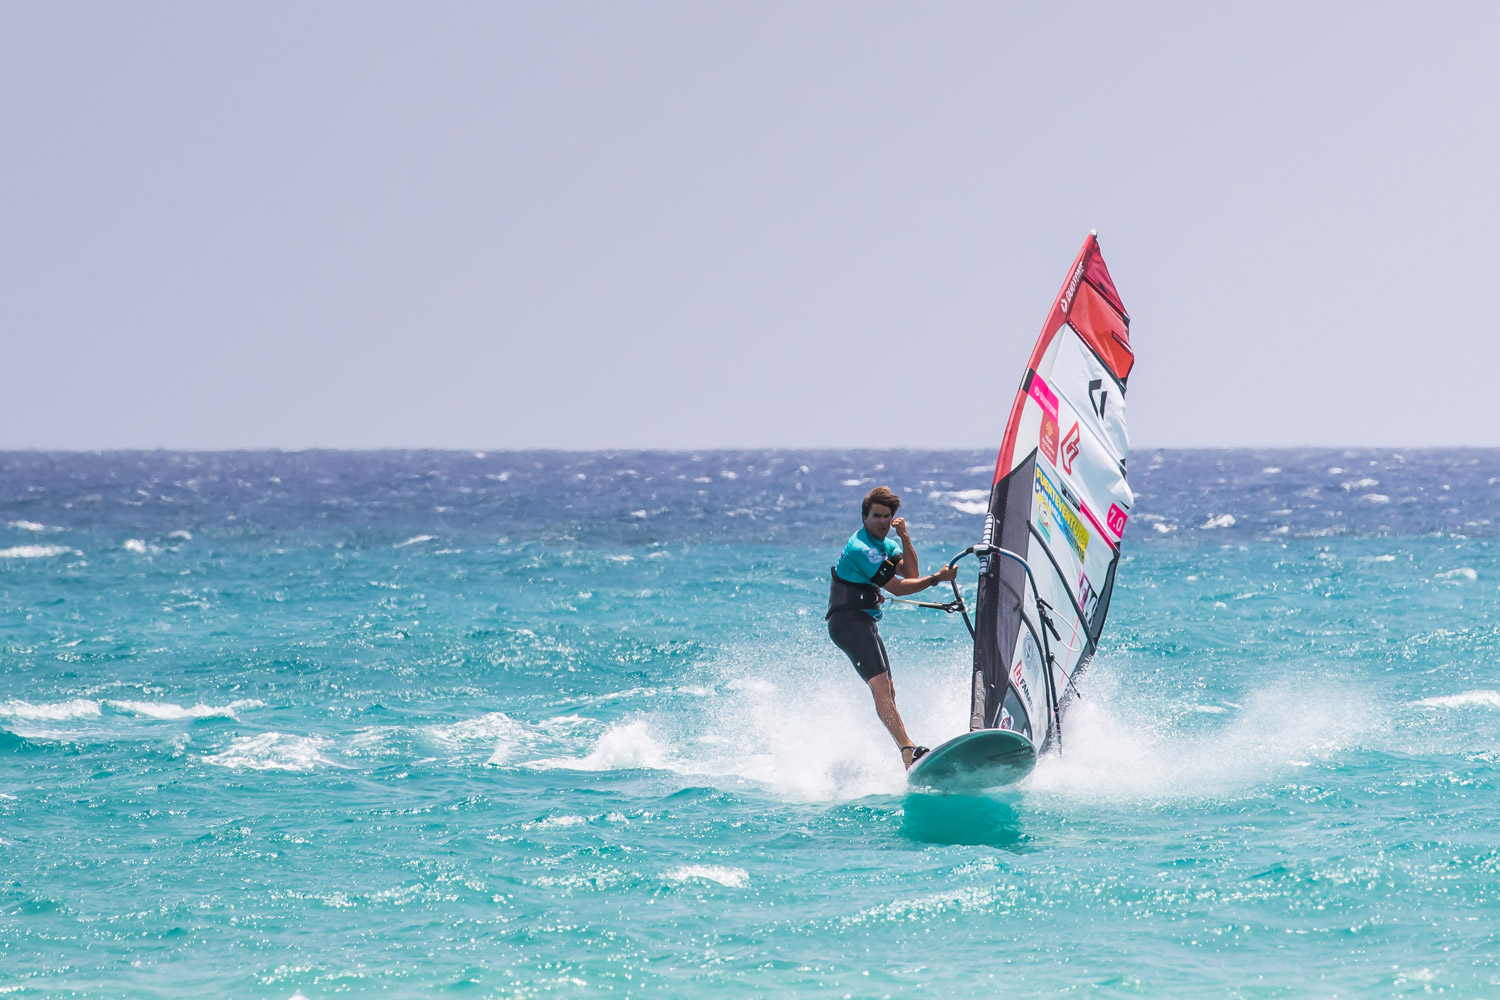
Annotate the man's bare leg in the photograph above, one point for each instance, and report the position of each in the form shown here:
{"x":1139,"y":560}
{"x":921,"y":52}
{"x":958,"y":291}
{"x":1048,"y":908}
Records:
{"x":884,"y":691}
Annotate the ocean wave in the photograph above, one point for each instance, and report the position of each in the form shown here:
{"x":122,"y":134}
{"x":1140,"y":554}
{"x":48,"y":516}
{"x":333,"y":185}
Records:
{"x":969,"y":507}
{"x":1487,"y":699}
{"x":624,"y":747}
{"x":37,"y":552}
{"x":733,"y":878}
{"x":491,"y":726}
{"x":272,"y":752}
{"x":967,"y":496}
{"x":54,"y":711}
{"x":169,"y":711}
{"x":970,"y":899}
{"x":414,"y":540}
{"x":508,"y":739}
{"x":136,"y":545}
{"x":371,"y":741}
{"x":1462,"y":573}
{"x":26,"y":526}
{"x":554,"y":822}
{"x":1222,"y":521}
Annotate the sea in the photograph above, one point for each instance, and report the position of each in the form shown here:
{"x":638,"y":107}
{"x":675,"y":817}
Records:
{"x":306,"y":725}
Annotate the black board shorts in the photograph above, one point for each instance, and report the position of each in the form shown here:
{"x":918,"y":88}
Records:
{"x":856,"y":634}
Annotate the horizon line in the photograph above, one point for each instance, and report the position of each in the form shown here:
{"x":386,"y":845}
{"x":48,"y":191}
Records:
{"x":480,"y":452}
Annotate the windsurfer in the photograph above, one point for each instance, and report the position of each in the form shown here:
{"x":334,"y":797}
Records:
{"x":872,"y":560}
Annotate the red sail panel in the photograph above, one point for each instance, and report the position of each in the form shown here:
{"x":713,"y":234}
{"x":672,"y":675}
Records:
{"x":1095,"y":272}
{"x":1103,"y":328}
{"x":1109,"y":335}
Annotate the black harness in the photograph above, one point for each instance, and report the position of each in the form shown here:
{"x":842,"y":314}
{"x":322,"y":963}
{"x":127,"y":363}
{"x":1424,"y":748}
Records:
{"x":846,"y":596}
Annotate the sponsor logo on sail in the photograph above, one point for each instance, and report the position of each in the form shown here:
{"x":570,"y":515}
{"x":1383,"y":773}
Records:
{"x":1087,"y":599}
{"x":1047,"y":438}
{"x":1019,"y":678}
{"x":1098,"y":395}
{"x":1042,"y":393}
{"x":1070,"y":449}
{"x":1067,"y":298}
{"x":1115,"y":520}
{"x":1062,"y":514}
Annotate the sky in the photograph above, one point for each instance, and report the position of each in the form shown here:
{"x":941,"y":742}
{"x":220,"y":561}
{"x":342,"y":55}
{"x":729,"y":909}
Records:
{"x":773,"y":224}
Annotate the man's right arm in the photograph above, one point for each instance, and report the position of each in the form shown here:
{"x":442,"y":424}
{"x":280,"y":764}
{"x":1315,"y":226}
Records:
{"x":903,"y":587}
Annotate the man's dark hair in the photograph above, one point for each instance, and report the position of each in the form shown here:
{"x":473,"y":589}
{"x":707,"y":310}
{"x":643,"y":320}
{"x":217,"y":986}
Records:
{"x":883,"y":496}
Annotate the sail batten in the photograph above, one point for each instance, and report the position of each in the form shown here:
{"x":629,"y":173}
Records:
{"x":1060,"y":500}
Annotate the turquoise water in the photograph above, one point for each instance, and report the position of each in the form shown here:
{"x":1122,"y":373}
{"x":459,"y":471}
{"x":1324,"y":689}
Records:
{"x":567,"y":725}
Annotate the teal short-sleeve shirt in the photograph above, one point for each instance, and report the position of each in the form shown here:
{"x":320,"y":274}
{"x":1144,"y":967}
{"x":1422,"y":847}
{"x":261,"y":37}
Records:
{"x":862,"y":556}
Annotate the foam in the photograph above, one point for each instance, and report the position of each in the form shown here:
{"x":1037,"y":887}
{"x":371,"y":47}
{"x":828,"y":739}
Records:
{"x":624,"y":747}
{"x":1222,"y":521}
{"x":37,"y":552}
{"x":554,"y":822}
{"x":1482,"y":698}
{"x":733,"y":878}
{"x":512,"y":739}
{"x":963,"y":495}
{"x":136,"y":545}
{"x":371,"y":740}
{"x":27,"y":526}
{"x":491,"y":726}
{"x":169,"y":711}
{"x":786,"y":715}
{"x":1114,"y":752}
{"x":1463,"y":572}
{"x":415,"y":540}
{"x":272,"y":752}
{"x":56,"y":711}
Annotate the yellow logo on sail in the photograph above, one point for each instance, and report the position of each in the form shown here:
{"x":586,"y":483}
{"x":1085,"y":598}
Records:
{"x":1062,"y":513}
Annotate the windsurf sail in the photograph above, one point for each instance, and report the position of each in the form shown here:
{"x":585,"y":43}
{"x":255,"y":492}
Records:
{"x":1060,"y":501}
